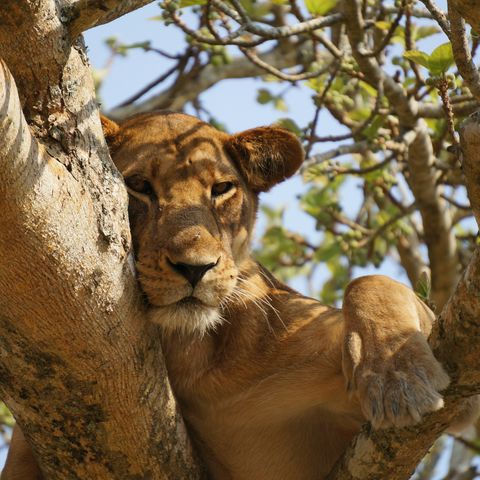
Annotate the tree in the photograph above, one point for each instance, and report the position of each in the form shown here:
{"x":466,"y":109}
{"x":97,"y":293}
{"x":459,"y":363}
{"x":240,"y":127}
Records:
{"x":76,"y":355}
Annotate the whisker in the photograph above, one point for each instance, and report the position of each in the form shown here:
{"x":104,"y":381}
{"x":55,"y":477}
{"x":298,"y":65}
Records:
{"x":266,"y":299}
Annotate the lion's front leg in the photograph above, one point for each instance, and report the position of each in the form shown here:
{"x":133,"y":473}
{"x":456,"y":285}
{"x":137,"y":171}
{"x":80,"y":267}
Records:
{"x":386,"y":358}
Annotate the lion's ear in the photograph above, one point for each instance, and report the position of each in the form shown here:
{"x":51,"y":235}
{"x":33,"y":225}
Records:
{"x":266,"y":156}
{"x":110,"y":131}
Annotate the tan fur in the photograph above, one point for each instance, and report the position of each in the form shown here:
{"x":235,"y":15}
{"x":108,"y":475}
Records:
{"x":20,"y":464}
{"x":272,"y":384}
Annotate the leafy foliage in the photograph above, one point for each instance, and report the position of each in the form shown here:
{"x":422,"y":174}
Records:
{"x":437,"y":63}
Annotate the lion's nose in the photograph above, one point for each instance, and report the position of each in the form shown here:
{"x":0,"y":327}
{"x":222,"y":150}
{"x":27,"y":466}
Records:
{"x":193,"y":273}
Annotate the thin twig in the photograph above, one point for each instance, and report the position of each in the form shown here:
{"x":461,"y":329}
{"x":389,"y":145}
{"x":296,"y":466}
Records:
{"x":390,"y":33}
{"x":265,"y":32}
{"x":443,"y":92}
{"x":180,"y":66}
{"x":400,"y":145}
{"x":319,"y":100}
{"x":438,"y":15}
{"x":473,"y":446}
{"x":295,"y":77}
{"x":409,"y":44}
{"x":359,"y":171}
{"x":456,"y":204}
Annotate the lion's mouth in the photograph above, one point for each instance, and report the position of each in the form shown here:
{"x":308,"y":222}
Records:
{"x":189,"y":315}
{"x":190,"y":302}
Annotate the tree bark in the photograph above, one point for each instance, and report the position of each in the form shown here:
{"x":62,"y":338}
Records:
{"x":470,"y":141}
{"x":468,"y":9}
{"x":80,"y":367}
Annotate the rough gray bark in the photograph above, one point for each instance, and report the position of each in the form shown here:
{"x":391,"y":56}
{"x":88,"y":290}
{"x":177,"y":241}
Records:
{"x":78,"y":360}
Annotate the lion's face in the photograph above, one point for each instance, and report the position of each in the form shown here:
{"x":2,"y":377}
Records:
{"x":193,"y":195}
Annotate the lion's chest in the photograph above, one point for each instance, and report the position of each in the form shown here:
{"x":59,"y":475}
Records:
{"x":239,"y":444}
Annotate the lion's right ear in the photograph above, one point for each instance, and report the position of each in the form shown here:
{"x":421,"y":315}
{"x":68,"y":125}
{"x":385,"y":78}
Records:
{"x":110,"y":130}
{"x":266,"y":156}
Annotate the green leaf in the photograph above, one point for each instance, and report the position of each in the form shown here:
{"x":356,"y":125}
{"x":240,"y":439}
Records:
{"x":319,"y":7}
{"x":437,"y":63}
{"x":191,"y":3}
{"x":360,"y":114}
{"x":255,"y":8}
{"x":264,"y":96}
{"x":441,"y":59}
{"x":327,"y":251}
{"x":369,"y":90}
{"x":279,"y":104}
{"x":274,"y":215}
{"x":418,"y":57}
{"x":425,"y":31}
{"x":382,"y":25}
{"x":289,"y":124}
{"x":371,"y":131}
{"x":6,"y":418}
{"x":423,"y":286}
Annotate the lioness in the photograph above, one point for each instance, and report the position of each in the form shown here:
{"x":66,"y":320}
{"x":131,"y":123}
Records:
{"x":272,"y":385}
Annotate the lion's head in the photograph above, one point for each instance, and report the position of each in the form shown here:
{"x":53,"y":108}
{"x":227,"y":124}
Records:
{"x":193,"y":197}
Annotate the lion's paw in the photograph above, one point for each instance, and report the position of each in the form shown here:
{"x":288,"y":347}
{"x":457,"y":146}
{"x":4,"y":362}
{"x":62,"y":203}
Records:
{"x":395,"y":386}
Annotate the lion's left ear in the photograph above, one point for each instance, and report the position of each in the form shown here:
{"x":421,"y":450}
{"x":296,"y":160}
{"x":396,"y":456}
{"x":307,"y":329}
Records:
{"x":111,"y":132}
{"x":266,"y":156}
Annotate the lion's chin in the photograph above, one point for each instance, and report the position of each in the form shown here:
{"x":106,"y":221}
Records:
{"x":187,"y":316}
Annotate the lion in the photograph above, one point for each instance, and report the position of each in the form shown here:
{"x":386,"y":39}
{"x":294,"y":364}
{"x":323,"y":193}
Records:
{"x":271,"y":384}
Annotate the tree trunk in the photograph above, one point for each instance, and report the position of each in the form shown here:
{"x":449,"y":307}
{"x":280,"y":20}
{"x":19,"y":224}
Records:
{"x":80,"y":367}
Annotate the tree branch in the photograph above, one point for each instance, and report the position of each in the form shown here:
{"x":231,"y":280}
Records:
{"x":18,"y":147}
{"x":85,"y":14}
{"x":429,"y":110}
{"x":289,"y":77}
{"x":355,"y":28}
{"x":470,"y":144}
{"x":468,"y":9}
{"x":269,"y":32}
{"x":423,"y":181}
{"x":461,"y":52}
{"x":436,"y":219}
{"x":394,"y":454}
{"x":176,"y":96}
{"x":438,"y":15}
{"x":410,"y":257}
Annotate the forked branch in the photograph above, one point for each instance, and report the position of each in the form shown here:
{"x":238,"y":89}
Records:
{"x":85,"y":14}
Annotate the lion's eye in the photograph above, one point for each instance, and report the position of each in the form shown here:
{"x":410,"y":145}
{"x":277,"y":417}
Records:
{"x":221,"y":188}
{"x":139,"y":184}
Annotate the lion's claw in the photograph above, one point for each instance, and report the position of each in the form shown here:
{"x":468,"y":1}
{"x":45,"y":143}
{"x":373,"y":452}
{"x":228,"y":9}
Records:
{"x":396,"y":388}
